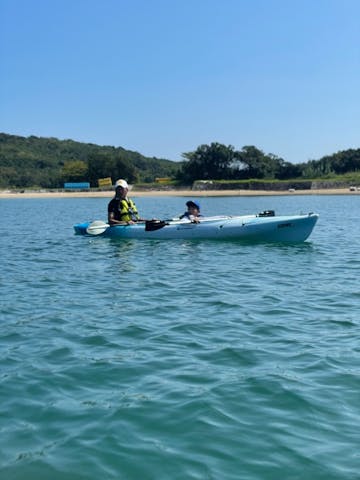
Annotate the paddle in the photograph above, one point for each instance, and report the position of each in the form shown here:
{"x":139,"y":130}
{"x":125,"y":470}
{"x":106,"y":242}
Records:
{"x":152,"y":225}
{"x":97,"y":227}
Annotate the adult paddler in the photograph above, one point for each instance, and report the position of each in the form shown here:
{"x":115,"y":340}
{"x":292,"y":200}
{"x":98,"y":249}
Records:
{"x":121,"y":209}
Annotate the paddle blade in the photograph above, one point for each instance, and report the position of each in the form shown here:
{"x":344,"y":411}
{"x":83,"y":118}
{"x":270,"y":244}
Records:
{"x":97,"y":228}
{"x":151,"y":225}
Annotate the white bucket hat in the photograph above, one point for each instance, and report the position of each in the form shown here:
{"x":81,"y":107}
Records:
{"x":121,"y":183}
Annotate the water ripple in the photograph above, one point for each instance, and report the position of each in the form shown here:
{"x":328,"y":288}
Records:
{"x":196,"y":360}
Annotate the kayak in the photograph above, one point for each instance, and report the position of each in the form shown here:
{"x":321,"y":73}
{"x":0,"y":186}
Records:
{"x":262,"y":227}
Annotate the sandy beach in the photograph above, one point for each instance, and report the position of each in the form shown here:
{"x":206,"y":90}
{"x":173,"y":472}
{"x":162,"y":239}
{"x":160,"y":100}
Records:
{"x":173,"y":193}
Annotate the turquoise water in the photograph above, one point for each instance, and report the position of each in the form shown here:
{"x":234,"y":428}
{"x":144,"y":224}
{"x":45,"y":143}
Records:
{"x":179,"y":359}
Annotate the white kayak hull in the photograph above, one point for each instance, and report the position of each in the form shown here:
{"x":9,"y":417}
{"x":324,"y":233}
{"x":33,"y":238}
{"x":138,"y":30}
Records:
{"x":293,"y":228}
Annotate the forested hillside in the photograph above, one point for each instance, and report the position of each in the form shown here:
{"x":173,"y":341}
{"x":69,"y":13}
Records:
{"x":49,"y":162}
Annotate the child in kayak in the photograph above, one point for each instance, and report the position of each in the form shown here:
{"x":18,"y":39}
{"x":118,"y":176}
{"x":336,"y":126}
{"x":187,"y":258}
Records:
{"x":193,"y":212}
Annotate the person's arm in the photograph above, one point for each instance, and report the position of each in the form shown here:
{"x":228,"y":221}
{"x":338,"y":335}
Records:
{"x":113,"y":221}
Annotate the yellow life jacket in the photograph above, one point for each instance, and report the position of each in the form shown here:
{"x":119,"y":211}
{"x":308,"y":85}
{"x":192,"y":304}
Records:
{"x":127,"y":210}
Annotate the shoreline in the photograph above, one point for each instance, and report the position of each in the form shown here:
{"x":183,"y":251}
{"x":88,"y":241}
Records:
{"x":176,"y":193}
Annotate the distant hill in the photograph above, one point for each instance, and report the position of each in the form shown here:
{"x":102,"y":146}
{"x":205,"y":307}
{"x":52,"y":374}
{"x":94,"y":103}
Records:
{"x":49,"y":162}
{"x":36,"y":162}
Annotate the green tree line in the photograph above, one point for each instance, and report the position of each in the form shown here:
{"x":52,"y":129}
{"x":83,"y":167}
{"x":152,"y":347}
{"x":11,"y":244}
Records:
{"x":221,"y":162}
{"x":49,"y":162}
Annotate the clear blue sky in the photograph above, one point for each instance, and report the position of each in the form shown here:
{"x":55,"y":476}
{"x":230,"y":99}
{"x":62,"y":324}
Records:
{"x":163,"y":76}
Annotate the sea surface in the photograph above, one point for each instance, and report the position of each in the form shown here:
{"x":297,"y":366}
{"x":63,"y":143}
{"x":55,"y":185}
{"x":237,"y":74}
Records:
{"x":136,"y":360}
